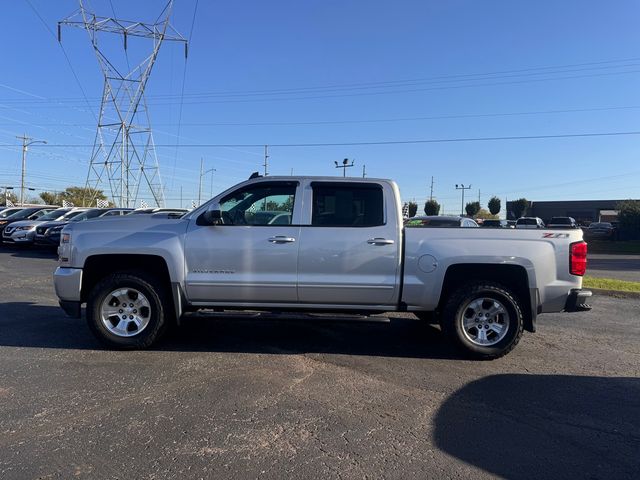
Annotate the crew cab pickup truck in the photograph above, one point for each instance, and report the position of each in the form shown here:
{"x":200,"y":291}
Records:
{"x":316,"y":244}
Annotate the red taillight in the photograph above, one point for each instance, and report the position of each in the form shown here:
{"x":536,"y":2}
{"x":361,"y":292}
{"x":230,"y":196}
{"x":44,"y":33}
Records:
{"x":578,"y":258}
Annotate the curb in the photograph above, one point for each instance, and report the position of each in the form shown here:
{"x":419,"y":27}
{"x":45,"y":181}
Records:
{"x":614,"y":293}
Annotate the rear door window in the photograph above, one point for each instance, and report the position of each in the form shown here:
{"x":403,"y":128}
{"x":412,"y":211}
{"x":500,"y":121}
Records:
{"x":347,"y":205}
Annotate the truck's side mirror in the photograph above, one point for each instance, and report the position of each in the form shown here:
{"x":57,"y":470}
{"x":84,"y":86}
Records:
{"x":213,"y":215}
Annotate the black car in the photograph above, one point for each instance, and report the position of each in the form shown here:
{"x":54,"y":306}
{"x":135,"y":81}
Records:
{"x":600,"y":231}
{"x":491,"y":223}
{"x":441,"y":221}
{"x":29,"y":213}
{"x":49,"y":233}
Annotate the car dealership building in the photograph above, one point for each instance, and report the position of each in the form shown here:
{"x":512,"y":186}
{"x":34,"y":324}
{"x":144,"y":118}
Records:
{"x":584,"y":211}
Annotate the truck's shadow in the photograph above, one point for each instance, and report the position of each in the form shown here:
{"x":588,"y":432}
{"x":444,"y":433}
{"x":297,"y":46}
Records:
{"x":24,"y":324}
{"x":545,"y":426}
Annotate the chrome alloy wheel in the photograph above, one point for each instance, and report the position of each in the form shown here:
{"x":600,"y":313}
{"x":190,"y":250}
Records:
{"x":125,"y":312}
{"x":484,"y":321}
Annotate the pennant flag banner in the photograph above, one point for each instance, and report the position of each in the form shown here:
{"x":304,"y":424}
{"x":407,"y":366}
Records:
{"x":67,"y":204}
{"x":143,"y":204}
{"x":9,"y":203}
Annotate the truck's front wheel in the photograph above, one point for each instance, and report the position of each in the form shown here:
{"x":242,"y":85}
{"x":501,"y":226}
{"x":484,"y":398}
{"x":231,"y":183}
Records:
{"x":485,"y":319}
{"x":126,"y":311}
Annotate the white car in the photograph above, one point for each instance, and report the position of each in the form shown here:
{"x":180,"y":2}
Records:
{"x":530,"y":222}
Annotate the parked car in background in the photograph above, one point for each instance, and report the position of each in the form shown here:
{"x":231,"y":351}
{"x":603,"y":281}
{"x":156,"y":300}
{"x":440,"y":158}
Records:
{"x":530,"y":222}
{"x":441,"y":221}
{"x":23,"y":232}
{"x":29,"y":213}
{"x":562,"y":222}
{"x":147,"y":211}
{"x":48,"y":233}
{"x":600,"y":231}
{"x":6,"y":211}
{"x":491,"y":223}
{"x":116,"y":212}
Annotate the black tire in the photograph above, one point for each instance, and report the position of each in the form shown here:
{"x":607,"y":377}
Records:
{"x":457,"y":307}
{"x":158,"y":316}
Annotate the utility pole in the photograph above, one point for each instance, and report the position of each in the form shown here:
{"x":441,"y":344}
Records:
{"x":431,"y":191}
{"x":26,"y":141}
{"x":463,"y":188}
{"x":344,"y":166}
{"x":364,"y":171}
{"x":478,"y":195}
{"x":266,"y":160}
{"x":202,"y":174}
{"x":181,"y":196}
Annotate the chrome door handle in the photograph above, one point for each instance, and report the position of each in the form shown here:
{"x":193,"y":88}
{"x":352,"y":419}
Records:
{"x":281,"y":239}
{"x":380,"y":241}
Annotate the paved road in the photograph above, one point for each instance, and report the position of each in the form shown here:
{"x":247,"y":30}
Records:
{"x":620,"y":267}
{"x":245,"y":397}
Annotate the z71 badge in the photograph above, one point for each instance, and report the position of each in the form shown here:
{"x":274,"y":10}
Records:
{"x":555,"y":235}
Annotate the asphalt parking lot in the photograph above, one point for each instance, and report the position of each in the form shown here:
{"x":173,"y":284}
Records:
{"x":251,"y":397}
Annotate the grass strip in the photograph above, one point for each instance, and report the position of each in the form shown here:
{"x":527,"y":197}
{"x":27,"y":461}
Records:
{"x":610,"y":284}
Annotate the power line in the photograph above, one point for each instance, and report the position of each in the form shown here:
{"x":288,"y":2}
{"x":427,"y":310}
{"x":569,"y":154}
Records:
{"x":64,"y":52}
{"x":184,"y":79}
{"x":378,"y":120}
{"x":384,"y":142}
{"x":403,"y":83}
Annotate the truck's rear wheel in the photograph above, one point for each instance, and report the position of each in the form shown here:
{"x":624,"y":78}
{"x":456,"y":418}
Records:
{"x":126,"y":311}
{"x":484,"y":319}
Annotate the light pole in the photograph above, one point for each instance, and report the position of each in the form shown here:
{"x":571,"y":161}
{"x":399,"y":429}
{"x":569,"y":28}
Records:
{"x":202,"y":174}
{"x":344,"y":166}
{"x":463,"y":188}
{"x":26,"y":141}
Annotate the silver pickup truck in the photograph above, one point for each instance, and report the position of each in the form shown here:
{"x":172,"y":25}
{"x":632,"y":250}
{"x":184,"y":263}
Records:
{"x":316,"y":244}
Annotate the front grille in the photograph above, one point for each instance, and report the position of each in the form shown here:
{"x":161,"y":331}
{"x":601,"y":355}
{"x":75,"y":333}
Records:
{"x":9,"y":230}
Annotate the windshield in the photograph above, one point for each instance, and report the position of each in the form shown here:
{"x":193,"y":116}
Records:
{"x":527,"y":221}
{"x":561,"y":220}
{"x":27,"y":212}
{"x":8,"y":212}
{"x":55,"y":215}
{"x":72,"y":214}
{"x":86,"y":215}
{"x":600,"y":225}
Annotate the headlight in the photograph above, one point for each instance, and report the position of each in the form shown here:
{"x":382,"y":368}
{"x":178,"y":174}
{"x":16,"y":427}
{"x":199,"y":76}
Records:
{"x":28,"y":227}
{"x":56,"y":229}
{"x":66,"y":238}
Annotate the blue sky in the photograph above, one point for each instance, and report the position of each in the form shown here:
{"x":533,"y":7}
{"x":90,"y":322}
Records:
{"x":348,"y":72}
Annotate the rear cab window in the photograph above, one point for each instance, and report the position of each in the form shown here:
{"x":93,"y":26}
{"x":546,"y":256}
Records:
{"x":343,"y":204}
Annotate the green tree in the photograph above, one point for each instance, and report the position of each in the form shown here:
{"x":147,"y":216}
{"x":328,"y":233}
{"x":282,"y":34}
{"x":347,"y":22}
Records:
{"x":629,"y":214}
{"x":78,"y":196}
{"x":485,"y":214}
{"x":51,"y":198}
{"x":432,"y":207}
{"x":494,"y":205}
{"x":472,"y":208}
{"x":413,"y":209}
{"x":520,"y":207}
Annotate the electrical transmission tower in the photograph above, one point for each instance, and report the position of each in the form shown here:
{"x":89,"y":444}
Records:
{"x":124,"y":159}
